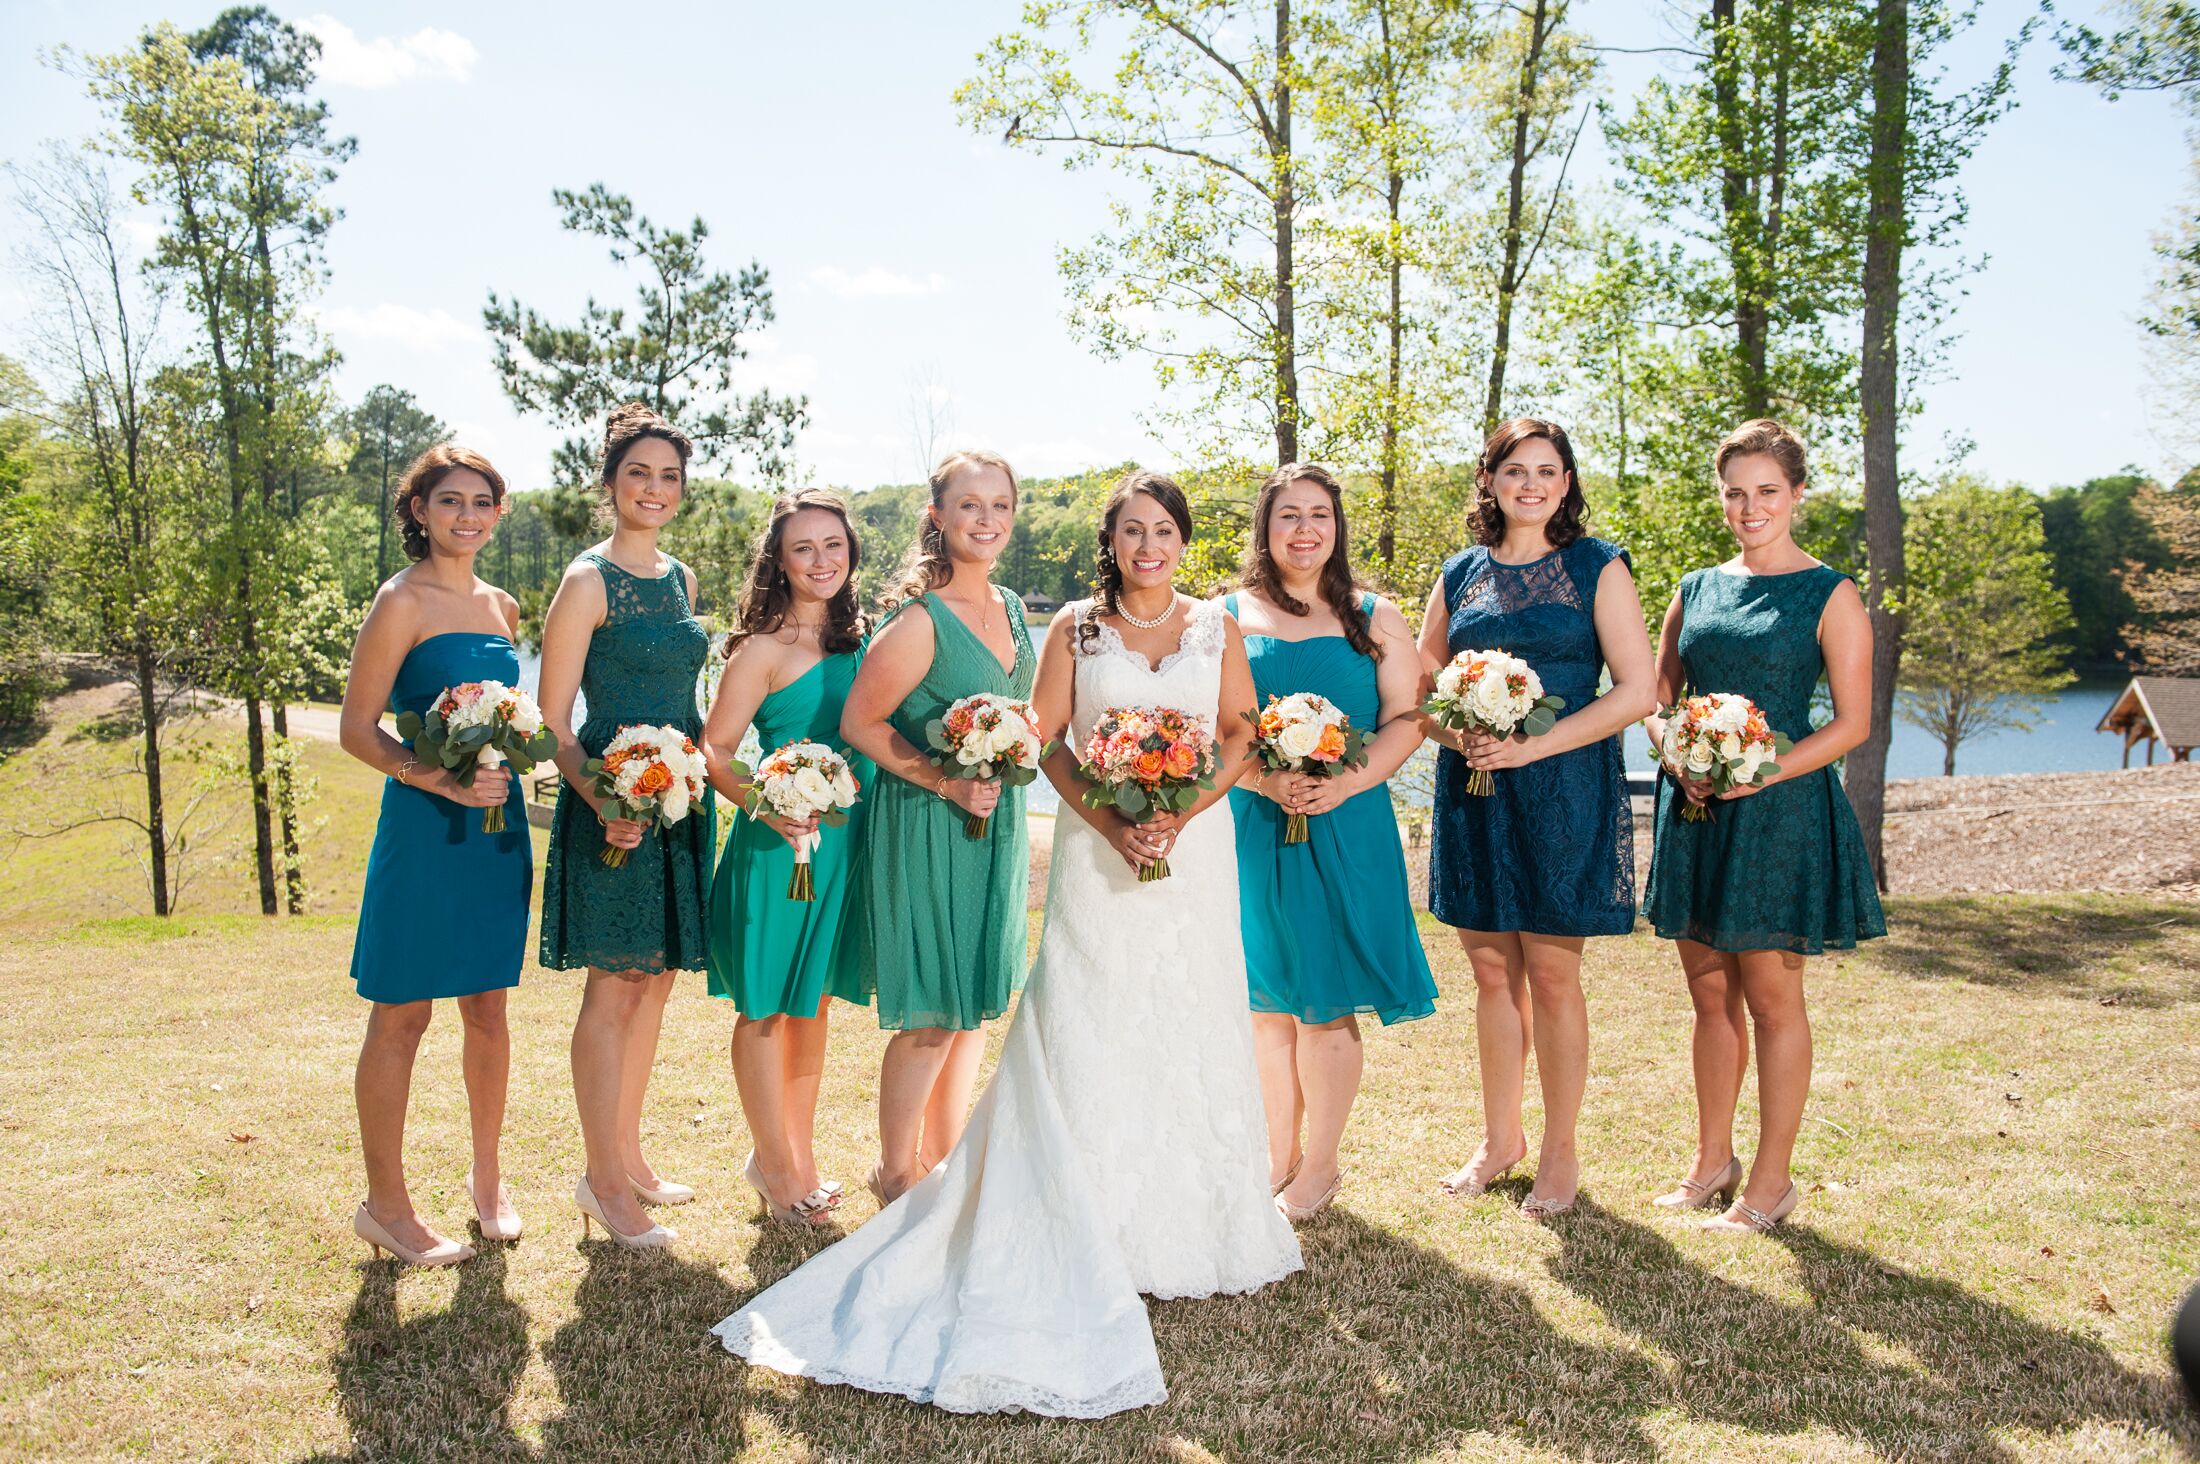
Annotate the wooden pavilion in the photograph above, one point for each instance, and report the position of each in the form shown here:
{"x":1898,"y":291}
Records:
{"x":2164,"y":709}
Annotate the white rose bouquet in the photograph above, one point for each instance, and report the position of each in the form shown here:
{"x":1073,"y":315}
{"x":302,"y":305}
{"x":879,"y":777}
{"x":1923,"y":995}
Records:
{"x":1494,"y":694}
{"x":480,"y":724}
{"x":1720,"y":739}
{"x":652,"y":775}
{"x":801,"y":781}
{"x":986,"y":736}
{"x":1305,"y":733}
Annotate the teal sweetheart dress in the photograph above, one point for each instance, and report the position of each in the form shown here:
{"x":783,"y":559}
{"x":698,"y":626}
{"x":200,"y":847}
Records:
{"x":444,"y":911}
{"x":1328,"y":924}
{"x":769,"y":954}
{"x":1783,"y":869}
{"x":649,"y":914}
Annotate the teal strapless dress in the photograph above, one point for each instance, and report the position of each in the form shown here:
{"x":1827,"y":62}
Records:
{"x":1783,"y":869}
{"x":1328,"y":924}
{"x":648,"y":914}
{"x":444,"y":912}
{"x":768,"y":953}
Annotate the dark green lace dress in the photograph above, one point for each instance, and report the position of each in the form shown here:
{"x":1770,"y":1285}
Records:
{"x":938,"y":923}
{"x":1783,"y":869}
{"x":649,"y":914}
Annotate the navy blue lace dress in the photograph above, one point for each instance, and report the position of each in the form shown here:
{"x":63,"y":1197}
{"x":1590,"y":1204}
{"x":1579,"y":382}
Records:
{"x":1551,"y":851}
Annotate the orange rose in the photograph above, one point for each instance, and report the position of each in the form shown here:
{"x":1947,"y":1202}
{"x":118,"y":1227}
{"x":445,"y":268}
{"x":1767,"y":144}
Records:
{"x":1331,"y":747}
{"x":654,"y":779}
{"x":1150,"y":766}
{"x":1181,"y":761}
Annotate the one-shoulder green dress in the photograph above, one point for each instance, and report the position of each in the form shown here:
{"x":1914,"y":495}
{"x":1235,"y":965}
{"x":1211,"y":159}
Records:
{"x":768,"y":953}
{"x":649,"y":913}
{"x":939,"y":921}
{"x":1783,"y":869}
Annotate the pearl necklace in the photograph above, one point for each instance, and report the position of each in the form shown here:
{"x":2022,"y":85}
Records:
{"x":1154,"y":624}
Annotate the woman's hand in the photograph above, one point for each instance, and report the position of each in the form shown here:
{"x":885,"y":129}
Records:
{"x":619,"y":833}
{"x":491,"y":786}
{"x":1695,"y":790}
{"x":1441,"y":735}
{"x":1488,"y":754}
{"x":974,"y":796}
{"x":1297,"y":792}
{"x":1282,"y":788}
{"x":1745,"y":790}
{"x":1140,"y":844}
{"x":794,"y":831}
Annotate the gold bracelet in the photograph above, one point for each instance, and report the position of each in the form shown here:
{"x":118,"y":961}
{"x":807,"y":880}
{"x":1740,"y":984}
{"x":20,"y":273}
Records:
{"x":939,"y":790}
{"x":405,"y":770}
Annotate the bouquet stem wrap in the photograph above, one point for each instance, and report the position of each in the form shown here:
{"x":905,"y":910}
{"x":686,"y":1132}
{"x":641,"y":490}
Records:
{"x":803,"y":886}
{"x":976,"y":825}
{"x":492,"y":819}
{"x":1294,"y":829}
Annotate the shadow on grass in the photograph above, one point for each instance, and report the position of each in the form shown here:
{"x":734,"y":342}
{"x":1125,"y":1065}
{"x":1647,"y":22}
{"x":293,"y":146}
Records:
{"x":1751,"y":1361}
{"x":2067,"y":945}
{"x":1380,"y":1350}
{"x":439,"y":1386}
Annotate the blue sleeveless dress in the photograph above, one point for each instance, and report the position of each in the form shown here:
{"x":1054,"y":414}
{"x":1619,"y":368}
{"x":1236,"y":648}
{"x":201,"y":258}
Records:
{"x":444,"y":912}
{"x":1328,"y":924}
{"x":1552,"y":850}
{"x":1785,"y":868}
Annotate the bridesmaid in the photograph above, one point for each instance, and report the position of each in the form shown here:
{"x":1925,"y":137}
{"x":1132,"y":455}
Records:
{"x":1529,"y":871}
{"x":939,"y":927}
{"x":622,"y":632}
{"x":1328,"y":924}
{"x":1778,"y":872}
{"x":789,"y":660}
{"x":444,"y":913}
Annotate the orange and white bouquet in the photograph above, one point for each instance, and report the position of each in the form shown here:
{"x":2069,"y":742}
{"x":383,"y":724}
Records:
{"x":651,"y":775}
{"x":480,"y":724}
{"x":1722,"y":739}
{"x":1147,"y":761}
{"x":986,"y":736}
{"x":801,"y":781}
{"x":1494,"y":694}
{"x":1305,"y":733}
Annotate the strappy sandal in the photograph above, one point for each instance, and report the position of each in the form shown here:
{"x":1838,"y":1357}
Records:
{"x":1697,"y":1194}
{"x":1288,"y":1175}
{"x":1461,"y":1184}
{"x":1743,"y":1218}
{"x":1539,"y":1208}
{"x":1297,"y":1213}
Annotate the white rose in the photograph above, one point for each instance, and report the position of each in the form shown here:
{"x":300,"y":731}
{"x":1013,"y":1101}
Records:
{"x":1730,"y":746}
{"x":844,"y":787}
{"x":675,"y":804}
{"x":1699,"y":760}
{"x":970,"y":754}
{"x":1448,"y":682}
{"x":1731,"y":714}
{"x":526,"y":720}
{"x":814,"y":787}
{"x":1299,"y":739}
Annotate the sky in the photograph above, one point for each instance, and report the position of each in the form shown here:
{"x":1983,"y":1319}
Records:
{"x":912,"y":259}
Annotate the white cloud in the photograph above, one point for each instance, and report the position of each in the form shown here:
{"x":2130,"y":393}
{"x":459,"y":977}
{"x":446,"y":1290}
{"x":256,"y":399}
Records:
{"x":349,"y":59}
{"x":426,"y":330}
{"x":875,"y":281}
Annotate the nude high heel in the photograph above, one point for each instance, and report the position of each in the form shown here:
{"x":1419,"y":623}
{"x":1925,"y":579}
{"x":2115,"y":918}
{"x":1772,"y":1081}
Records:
{"x":1743,"y":1218}
{"x":1699,"y":1194}
{"x":813,"y":1208}
{"x":492,"y":1225}
{"x":443,"y":1253}
{"x":584,"y":1200}
{"x":666,"y":1193}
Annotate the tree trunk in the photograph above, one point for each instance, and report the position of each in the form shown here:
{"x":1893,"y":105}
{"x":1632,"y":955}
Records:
{"x":147,"y":671}
{"x":1740,"y":206}
{"x":1286,"y":204}
{"x":382,"y":520}
{"x":286,"y":808}
{"x":1508,"y":275}
{"x":1881,"y":396}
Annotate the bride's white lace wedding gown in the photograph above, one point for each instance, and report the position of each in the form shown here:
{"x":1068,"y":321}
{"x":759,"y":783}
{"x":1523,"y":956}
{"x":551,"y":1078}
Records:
{"x":1119,"y":1149}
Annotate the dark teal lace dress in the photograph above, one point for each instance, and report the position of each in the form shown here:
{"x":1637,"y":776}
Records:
{"x":1552,"y":850}
{"x":1328,"y":924}
{"x":1783,"y":869}
{"x":650,"y":913}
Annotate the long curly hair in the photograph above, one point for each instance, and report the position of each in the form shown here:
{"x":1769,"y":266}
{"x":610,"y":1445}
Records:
{"x":767,"y":597}
{"x":1487,"y":518}
{"x":427,"y":470}
{"x":1107,"y":585}
{"x":1340,"y":588}
{"x":629,"y":423}
{"x":927,"y":566}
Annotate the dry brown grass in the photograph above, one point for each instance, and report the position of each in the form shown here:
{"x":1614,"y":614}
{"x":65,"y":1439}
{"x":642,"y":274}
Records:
{"x":2001,"y":1149}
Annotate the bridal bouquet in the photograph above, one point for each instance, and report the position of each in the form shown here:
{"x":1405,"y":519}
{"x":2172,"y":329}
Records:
{"x":1305,"y":733}
{"x":1495,"y":694}
{"x":480,"y":724}
{"x":1721,"y":739}
{"x":986,"y":736}
{"x":1146,"y":761}
{"x":800,"y":781}
{"x":652,"y":775}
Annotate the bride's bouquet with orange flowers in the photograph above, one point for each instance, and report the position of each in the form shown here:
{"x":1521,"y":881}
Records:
{"x":480,"y":724}
{"x":652,"y":775}
{"x":1146,"y":761}
{"x":1305,"y":733}
{"x":1720,"y":739}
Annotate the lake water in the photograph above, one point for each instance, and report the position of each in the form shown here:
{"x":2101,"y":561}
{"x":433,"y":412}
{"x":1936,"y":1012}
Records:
{"x":2063,"y":740}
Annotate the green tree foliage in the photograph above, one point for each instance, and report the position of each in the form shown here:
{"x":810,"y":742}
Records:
{"x":26,"y":533}
{"x":382,"y":436}
{"x":677,"y":353}
{"x":2164,"y":634}
{"x":2093,"y":532}
{"x":1981,"y":614}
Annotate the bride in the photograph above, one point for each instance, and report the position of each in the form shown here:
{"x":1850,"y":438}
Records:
{"x":1120,"y":1148}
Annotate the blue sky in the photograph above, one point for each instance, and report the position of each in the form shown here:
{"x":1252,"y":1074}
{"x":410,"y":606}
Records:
{"x":821,"y":141}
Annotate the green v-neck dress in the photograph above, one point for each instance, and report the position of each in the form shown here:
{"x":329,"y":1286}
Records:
{"x":770,"y":954}
{"x":938,"y":925}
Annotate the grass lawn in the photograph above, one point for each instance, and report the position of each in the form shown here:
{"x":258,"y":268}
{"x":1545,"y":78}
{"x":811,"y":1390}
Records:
{"x":2002,"y":1155}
